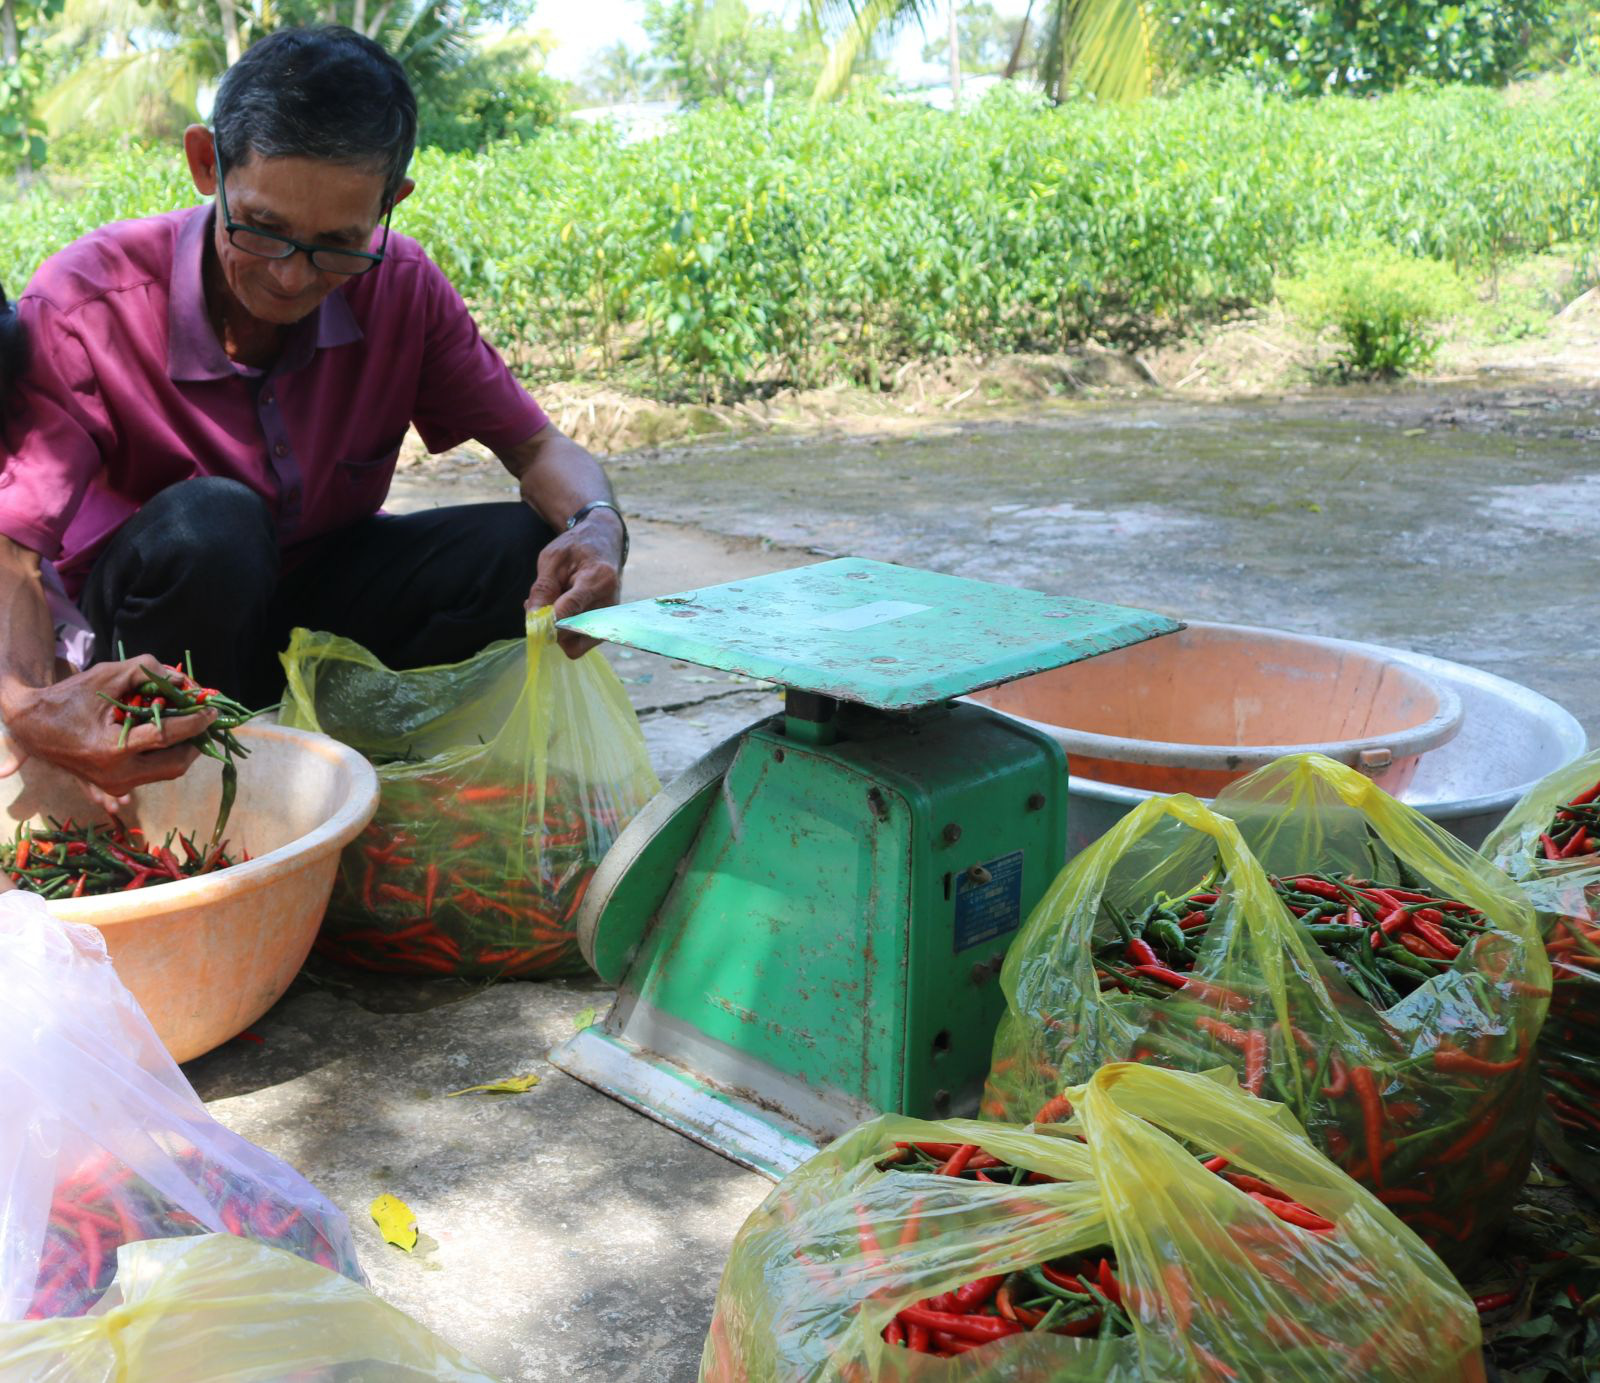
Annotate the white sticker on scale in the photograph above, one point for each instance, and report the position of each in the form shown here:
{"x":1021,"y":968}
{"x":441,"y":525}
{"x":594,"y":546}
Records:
{"x":865,"y":616}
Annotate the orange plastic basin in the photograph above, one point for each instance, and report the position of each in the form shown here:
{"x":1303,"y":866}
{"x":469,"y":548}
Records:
{"x":1193,"y":711}
{"x":206,"y":957}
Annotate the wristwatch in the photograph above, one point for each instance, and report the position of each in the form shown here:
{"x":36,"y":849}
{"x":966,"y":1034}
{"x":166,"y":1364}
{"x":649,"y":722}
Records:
{"x":589,"y":508}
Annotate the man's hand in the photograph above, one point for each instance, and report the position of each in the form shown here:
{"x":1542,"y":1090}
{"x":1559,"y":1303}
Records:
{"x":580,"y":571}
{"x":70,"y":724}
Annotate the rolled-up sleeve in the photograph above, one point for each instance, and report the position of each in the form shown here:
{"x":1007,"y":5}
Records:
{"x":465,"y":390}
{"x":54,"y":436}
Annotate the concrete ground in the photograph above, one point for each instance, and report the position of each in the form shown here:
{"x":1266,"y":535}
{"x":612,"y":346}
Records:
{"x":564,"y":1237}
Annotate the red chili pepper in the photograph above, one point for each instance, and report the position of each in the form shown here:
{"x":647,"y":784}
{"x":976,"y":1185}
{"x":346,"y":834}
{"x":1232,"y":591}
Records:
{"x":484,"y":794}
{"x":894,"y":1333}
{"x":1055,"y":1110}
{"x":1142,"y":951}
{"x":1493,"y":1301}
{"x":1429,"y":931}
{"x":1366,"y":1089}
{"x":1106,"y":1280}
{"x":1255,"y":1061}
{"x":1291,"y":1212}
{"x":1455,"y":1060}
{"x":870,"y":1248}
{"x":1319,"y":888}
{"x":958,"y":1160}
{"x":1577,"y":845}
{"x":980,"y":1328}
{"x":1585,"y":797}
{"x":1061,"y":1279}
{"x":976,"y":1293}
{"x":1469,"y":1140}
{"x":1552,"y":851}
{"x":1223,"y":1032}
{"x":1203,"y":990}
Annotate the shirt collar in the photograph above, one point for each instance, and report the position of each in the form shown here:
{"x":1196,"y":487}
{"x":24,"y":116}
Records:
{"x":193,"y":351}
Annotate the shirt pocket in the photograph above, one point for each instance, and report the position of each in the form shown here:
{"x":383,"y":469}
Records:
{"x":361,"y":483}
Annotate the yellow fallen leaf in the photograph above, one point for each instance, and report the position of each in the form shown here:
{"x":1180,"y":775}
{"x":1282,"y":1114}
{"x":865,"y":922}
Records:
{"x":585,"y":1019}
{"x":511,"y":1085}
{"x":396,"y":1222}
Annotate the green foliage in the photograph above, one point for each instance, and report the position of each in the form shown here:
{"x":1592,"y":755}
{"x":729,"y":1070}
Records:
{"x":1385,"y":304}
{"x":497,"y":93}
{"x":841,"y":241}
{"x":22,"y":129}
{"x":721,"y":50}
{"x":1570,"y":38}
{"x":1303,"y":47}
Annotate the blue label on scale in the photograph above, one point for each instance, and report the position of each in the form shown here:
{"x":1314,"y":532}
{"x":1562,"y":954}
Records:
{"x":993,"y":907}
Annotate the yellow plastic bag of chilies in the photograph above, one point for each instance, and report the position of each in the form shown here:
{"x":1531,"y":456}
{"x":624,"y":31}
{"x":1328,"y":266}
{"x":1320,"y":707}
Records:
{"x":1201,"y":1279}
{"x":1428,"y":1099}
{"x":1550,"y":844}
{"x":504,"y":780}
{"x":216,"y":1309}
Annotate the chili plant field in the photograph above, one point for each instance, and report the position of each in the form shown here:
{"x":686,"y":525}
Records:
{"x":843,"y":241}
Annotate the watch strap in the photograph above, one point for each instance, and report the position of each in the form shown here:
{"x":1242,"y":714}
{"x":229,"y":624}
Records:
{"x":589,"y":508}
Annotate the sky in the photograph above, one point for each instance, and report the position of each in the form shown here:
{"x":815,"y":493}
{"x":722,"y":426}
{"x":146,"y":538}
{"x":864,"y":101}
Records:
{"x":582,"y":27}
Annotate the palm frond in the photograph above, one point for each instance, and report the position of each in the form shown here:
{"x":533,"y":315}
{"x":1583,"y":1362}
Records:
{"x":866,"y":18}
{"x":149,"y":92}
{"x":1102,"y":46}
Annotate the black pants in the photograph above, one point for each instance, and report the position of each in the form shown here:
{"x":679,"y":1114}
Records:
{"x":198,"y":569}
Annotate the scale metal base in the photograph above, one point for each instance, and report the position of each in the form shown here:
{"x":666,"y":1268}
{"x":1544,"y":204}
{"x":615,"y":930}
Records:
{"x":806,"y":928}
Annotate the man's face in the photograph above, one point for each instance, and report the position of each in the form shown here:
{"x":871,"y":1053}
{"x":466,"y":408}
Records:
{"x":310,"y":200}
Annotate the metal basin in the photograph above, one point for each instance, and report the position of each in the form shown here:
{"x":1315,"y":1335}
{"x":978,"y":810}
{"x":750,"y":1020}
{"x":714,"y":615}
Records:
{"x":1508,"y":738}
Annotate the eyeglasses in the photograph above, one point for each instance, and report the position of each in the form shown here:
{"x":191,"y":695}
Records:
{"x":269,"y":245}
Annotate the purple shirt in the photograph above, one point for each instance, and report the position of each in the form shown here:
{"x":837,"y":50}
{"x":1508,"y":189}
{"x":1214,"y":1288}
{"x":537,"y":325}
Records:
{"x":129,"y":391}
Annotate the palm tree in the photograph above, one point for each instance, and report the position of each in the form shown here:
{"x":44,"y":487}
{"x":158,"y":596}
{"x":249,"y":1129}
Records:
{"x":141,"y":64}
{"x":1101,"y":46}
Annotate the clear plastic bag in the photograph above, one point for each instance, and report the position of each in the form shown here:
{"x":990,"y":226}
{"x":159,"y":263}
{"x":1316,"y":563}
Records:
{"x":1210,"y":1282}
{"x":504,"y":780}
{"x":104,"y":1142}
{"x":1566,"y":892}
{"x":1430,"y":1101}
{"x":216,"y":1309}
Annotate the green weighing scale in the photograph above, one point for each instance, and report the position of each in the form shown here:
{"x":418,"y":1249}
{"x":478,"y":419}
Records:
{"x":806,"y":928}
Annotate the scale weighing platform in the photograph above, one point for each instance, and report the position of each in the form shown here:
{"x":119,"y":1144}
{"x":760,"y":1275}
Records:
{"x":806,"y":928}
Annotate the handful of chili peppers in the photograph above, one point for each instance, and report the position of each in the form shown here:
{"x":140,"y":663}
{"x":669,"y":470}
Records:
{"x":104,"y":1204}
{"x":1076,"y":1295}
{"x":68,"y":860}
{"x":463,"y":878}
{"x":1439,"y":1135}
{"x":168,"y":692}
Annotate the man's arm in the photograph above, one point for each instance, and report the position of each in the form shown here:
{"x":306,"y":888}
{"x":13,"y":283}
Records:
{"x":582,"y":568}
{"x":68,"y":722}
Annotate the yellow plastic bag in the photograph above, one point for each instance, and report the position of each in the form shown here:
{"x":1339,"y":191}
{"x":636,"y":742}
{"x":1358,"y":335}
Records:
{"x":1214,"y":1285}
{"x":1430,"y":1101}
{"x":504,"y":780}
{"x":216,"y":1309}
{"x":1566,"y":893}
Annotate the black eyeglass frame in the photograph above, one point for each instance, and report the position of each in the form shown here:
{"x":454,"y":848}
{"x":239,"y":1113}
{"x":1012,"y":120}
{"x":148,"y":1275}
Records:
{"x":232,"y":227}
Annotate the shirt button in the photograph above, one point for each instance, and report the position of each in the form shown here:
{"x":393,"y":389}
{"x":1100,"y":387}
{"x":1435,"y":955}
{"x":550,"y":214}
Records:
{"x":282,"y":449}
{"x":266,"y":396}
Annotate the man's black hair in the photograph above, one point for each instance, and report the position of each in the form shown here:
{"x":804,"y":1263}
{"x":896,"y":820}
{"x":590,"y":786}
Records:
{"x":325,"y":92}
{"x":13,"y":353}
